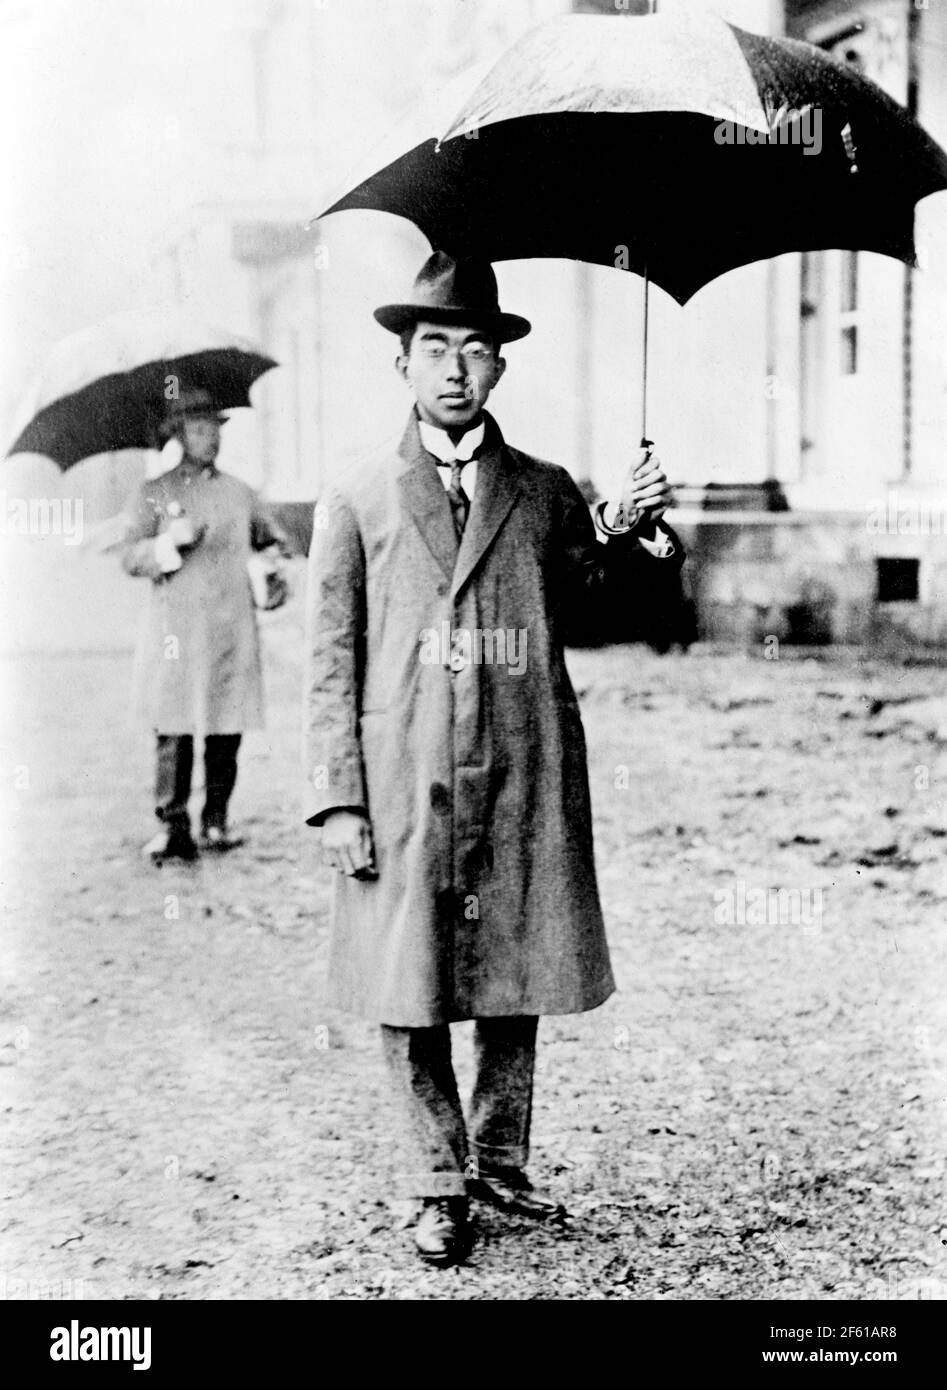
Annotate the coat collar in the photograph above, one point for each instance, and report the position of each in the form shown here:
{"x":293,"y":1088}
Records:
{"x":190,"y":468}
{"x":426,"y":500}
{"x":438,"y":442}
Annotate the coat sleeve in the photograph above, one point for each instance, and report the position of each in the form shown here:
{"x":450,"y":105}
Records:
{"x":139,"y":556}
{"x":265,"y":530}
{"x":335,"y":658}
{"x":616,"y":591}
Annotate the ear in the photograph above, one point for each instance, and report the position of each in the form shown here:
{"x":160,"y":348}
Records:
{"x":401,"y":366}
{"x":498,"y":370}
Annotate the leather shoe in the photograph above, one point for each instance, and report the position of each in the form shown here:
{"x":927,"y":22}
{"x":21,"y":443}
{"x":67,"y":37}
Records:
{"x":511,"y":1190}
{"x":216,"y":840}
{"x":442,"y":1235}
{"x":170,"y":843}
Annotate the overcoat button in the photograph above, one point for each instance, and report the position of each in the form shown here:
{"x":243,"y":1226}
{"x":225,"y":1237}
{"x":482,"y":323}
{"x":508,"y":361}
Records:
{"x":440,"y":798}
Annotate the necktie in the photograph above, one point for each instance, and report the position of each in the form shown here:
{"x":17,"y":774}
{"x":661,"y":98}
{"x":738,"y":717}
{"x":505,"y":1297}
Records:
{"x":459,"y":501}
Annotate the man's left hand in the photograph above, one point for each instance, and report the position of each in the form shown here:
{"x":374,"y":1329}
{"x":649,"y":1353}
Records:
{"x":646,"y":489}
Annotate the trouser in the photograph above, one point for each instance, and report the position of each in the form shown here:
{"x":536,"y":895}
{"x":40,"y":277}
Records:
{"x":425,"y":1092}
{"x":173,"y":780}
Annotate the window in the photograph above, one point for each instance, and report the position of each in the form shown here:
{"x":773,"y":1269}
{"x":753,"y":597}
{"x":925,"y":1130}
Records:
{"x":849,"y":350}
{"x":849,"y":282}
{"x":811,"y":355}
{"x":845,"y":44}
{"x":848,"y":311}
{"x":897,"y":580}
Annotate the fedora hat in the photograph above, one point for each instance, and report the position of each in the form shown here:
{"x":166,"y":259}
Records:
{"x":195,"y":402}
{"x":454,"y":291}
{"x":189,"y":404}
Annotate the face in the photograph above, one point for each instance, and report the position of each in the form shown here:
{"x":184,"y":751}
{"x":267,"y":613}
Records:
{"x":200,"y":435}
{"x":451,"y":371}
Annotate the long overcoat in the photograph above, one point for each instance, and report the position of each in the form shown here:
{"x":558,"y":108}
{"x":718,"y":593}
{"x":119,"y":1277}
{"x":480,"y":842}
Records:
{"x":471,"y":768}
{"x":198,"y":659}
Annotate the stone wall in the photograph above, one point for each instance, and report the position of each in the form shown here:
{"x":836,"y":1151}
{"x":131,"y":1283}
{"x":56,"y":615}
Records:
{"x":813,"y":579}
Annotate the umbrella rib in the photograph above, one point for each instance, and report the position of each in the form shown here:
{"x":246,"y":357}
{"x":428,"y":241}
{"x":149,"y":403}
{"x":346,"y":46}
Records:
{"x":644,"y":362}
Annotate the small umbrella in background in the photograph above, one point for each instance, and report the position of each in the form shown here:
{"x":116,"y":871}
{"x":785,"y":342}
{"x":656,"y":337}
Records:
{"x":599,"y":139}
{"x":108,"y":387}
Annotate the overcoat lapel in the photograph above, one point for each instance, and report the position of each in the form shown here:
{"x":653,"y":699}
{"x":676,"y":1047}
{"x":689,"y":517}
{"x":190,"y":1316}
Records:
{"x":497,"y":490}
{"x":423,"y":496}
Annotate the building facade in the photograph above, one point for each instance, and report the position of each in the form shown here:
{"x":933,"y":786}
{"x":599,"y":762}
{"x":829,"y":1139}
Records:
{"x":825,"y":374}
{"x":857,"y":347}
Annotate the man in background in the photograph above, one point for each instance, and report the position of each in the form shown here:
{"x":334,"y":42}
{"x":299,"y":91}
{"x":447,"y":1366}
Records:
{"x":191,"y":534}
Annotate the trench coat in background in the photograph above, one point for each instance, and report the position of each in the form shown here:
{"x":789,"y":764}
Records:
{"x":198,"y":658}
{"x":475,"y":778}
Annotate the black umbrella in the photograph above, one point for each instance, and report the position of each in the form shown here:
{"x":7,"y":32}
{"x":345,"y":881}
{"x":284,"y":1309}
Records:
{"x":677,"y":149}
{"x":108,"y":387}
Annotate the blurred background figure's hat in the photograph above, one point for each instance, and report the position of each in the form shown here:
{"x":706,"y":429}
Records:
{"x":460,"y":291}
{"x":189,"y":405}
{"x":194,"y":402}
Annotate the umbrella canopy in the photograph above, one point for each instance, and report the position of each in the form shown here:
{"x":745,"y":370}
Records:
{"x":600,"y":139}
{"x":108,"y":387}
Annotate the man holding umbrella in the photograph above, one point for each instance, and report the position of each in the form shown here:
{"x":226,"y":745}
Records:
{"x":446,"y":757}
{"x":191,"y":532}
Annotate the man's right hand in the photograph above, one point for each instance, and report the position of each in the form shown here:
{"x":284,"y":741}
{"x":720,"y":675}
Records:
{"x":347,"y":844}
{"x":645,"y":493}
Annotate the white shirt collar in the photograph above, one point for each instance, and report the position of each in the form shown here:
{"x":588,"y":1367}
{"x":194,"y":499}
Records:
{"x":438,"y":442}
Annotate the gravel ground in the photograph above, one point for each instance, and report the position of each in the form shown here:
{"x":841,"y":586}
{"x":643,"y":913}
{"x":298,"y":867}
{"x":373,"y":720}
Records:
{"x":759,"y":1112}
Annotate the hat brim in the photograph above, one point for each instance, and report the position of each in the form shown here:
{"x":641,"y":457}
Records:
{"x":506,"y":328}
{"x":170,"y":424}
{"x":198,"y":412}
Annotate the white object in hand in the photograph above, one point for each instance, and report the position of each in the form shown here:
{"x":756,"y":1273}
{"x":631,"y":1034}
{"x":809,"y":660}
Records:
{"x":181,"y":530}
{"x":167,"y":555}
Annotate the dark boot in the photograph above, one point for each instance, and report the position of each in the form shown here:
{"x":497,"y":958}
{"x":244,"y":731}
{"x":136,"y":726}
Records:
{"x":171,"y":842}
{"x":220,"y":776}
{"x":175,"y":764}
{"x":511,"y":1190}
